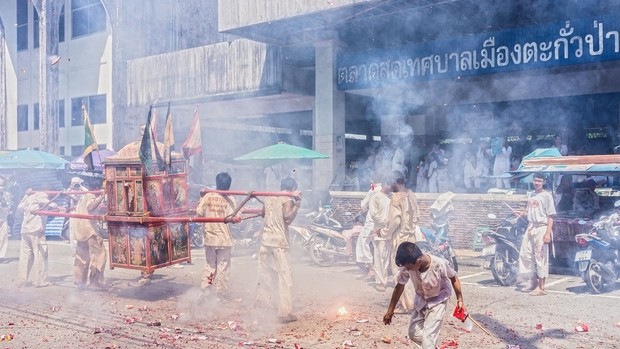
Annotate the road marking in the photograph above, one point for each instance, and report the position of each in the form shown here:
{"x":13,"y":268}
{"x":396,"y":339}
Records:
{"x":473,"y":275}
{"x":548,"y":284}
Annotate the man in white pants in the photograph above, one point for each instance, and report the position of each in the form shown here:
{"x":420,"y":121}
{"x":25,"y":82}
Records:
{"x":218,"y":239}
{"x":534,"y":253}
{"x":378,"y":211}
{"x":363,"y":255}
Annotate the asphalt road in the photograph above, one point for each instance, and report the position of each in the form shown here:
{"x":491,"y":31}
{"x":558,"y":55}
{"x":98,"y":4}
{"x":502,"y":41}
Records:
{"x":167,"y":313}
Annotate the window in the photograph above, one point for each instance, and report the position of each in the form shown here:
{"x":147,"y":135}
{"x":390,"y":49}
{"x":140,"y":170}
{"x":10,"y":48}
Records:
{"x":88,"y":17}
{"x":22,"y":118}
{"x":62,"y":150}
{"x":61,"y":25}
{"x":77,"y":150}
{"x":35,"y":28}
{"x":22,"y":25}
{"x":61,"y":113}
{"x":95,"y":105}
{"x":35,"y":116}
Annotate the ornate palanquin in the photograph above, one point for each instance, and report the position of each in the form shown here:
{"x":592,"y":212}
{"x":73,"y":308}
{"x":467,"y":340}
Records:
{"x":136,"y":195}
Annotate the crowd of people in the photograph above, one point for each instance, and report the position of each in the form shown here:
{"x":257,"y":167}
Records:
{"x":472,"y":168}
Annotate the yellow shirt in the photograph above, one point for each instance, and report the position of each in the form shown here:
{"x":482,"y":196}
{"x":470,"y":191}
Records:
{"x":403,"y":217}
{"x":83,"y":229}
{"x":215,"y":205}
{"x":32,"y":223}
{"x":275,"y":232}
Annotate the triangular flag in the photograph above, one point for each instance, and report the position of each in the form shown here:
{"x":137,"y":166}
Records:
{"x":193,"y":142}
{"x":145,"y":145}
{"x":168,"y":139}
{"x":90,"y":144}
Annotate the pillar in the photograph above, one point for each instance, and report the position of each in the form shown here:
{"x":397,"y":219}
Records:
{"x":328,"y":120}
{"x":3,"y":86}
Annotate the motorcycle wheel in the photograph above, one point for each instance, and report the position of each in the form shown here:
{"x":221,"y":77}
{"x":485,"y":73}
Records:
{"x":445,"y":254}
{"x":593,"y":278}
{"x":198,"y":238}
{"x":449,"y":255}
{"x":501,"y":267}
{"x":319,"y":258}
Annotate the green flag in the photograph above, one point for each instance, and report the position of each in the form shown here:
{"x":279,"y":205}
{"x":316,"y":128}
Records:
{"x":90,"y":144}
{"x":145,"y":146}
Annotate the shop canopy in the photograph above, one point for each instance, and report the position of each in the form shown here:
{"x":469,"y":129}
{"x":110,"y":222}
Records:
{"x":592,"y":165}
{"x":29,"y":159}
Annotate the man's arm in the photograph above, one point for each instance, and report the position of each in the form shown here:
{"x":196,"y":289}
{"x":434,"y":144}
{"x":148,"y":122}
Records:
{"x":456,"y":285}
{"x":398,"y":291}
{"x":291,"y":207}
{"x":547,"y":237}
{"x":394,"y":218}
{"x":95,"y":203}
{"x":366,"y":200}
{"x":379,"y":219}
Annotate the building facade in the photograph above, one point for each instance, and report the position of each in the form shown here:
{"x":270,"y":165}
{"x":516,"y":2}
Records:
{"x":336,"y":76}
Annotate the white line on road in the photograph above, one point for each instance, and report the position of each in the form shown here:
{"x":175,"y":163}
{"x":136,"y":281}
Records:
{"x":548,"y":284}
{"x":472,"y":275}
{"x":554,"y":291}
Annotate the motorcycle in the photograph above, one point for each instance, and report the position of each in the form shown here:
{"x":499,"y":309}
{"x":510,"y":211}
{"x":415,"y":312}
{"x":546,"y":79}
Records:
{"x":246,"y":235}
{"x":330,"y":241}
{"x":502,"y":247}
{"x":196,"y":235}
{"x":436,"y":240}
{"x":599,"y":259}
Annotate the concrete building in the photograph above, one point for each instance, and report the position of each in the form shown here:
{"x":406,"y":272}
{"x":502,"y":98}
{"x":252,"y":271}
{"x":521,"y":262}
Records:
{"x":338,"y":75}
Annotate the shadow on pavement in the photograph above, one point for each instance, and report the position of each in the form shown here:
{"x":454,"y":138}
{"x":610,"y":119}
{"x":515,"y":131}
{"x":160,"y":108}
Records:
{"x":511,"y":337}
{"x":159,"y":288}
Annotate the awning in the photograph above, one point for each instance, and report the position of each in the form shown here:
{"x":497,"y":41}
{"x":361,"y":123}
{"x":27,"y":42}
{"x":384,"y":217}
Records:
{"x":590,"y":165}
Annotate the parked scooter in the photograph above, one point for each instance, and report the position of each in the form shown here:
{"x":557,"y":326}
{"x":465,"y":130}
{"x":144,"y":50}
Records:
{"x":502,"y":248}
{"x":331,"y":241}
{"x":599,"y":259}
{"x":436,"y":238}
{"x":196,"y":235}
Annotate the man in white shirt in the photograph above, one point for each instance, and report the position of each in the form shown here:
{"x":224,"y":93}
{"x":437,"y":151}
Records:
{"x":433,"y":280}
{"x":363,"y":255}
{"x":534,"y":253}
{"x":378,"y":210}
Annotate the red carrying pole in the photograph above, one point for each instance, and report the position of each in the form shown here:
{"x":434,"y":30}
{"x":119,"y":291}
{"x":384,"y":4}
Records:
{"x":67,"y":192}
{"x":248,"y":193}
{"x":136,"y":219}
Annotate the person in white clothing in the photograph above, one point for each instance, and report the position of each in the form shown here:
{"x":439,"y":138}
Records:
{"x":433,"y":281}
{"x":363,"y":255}
{"x":378,"y":210}
{"x":562,"y":148}
{"x":502,"y":165}
{"x":472,"y":172}
{"x":483,"y":158}
{"x":432,"y":174}
{"x":534,"y":252}
{"x":398,"y":160}
{"x":421,"y":185}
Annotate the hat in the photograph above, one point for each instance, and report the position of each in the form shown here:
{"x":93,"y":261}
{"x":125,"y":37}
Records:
{"x":76,"y":180}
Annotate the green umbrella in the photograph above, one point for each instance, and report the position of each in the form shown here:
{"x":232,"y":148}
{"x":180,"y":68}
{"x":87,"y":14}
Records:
{"x":29,"y":158}
{"x":282,"y":151}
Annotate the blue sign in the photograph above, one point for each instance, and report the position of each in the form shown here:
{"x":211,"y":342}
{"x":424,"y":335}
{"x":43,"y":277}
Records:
{"x":553,"y":45}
